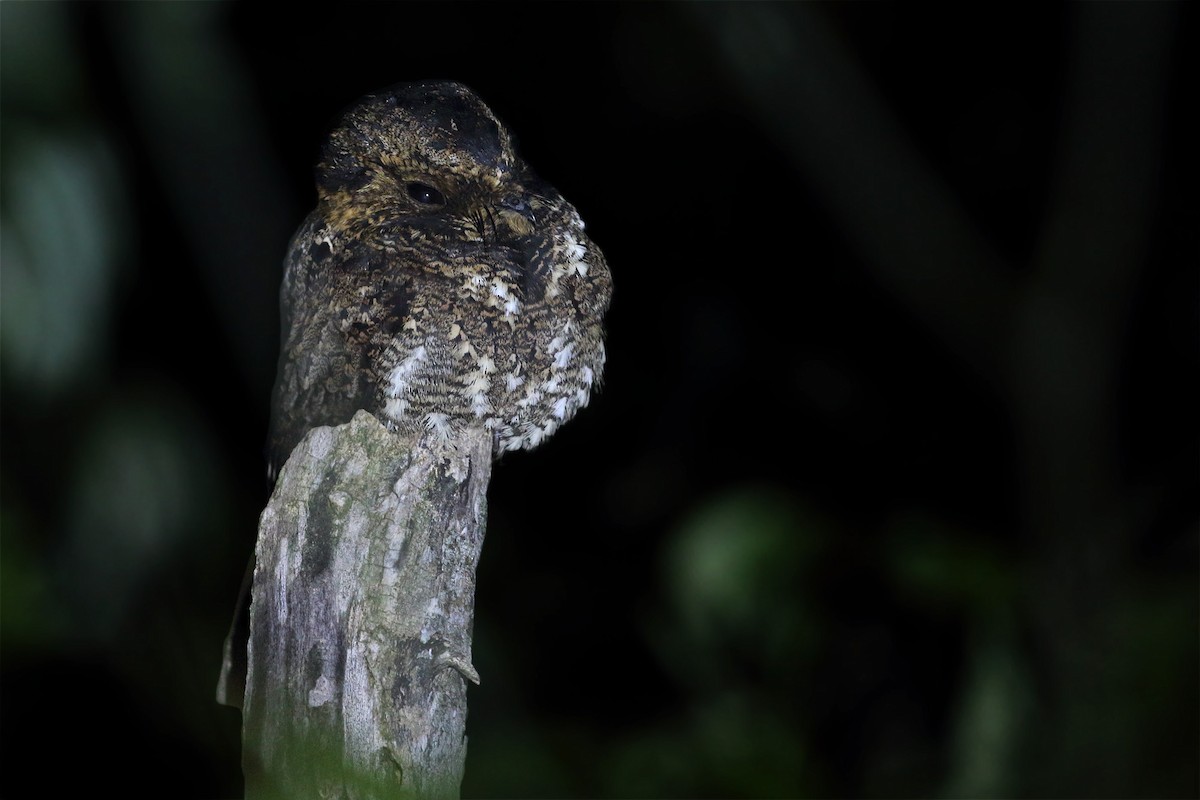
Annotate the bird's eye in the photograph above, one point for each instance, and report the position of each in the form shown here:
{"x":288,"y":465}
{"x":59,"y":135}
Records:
{"x":425,"y":195}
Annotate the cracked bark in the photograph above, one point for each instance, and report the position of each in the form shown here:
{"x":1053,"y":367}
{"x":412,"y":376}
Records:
{"x":360,"y":627}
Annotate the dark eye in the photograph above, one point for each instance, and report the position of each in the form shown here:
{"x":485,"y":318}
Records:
{"x":425,"y":195}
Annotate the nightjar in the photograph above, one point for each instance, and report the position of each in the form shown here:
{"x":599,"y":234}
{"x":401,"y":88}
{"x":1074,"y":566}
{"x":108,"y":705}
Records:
{"x":438,"y":284}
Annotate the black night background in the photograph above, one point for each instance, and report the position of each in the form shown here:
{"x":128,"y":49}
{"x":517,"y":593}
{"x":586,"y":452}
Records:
{"x":891,"y":487}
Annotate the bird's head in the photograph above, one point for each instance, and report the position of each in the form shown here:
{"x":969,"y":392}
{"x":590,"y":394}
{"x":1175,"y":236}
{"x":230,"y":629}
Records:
{"x":430,"y":158}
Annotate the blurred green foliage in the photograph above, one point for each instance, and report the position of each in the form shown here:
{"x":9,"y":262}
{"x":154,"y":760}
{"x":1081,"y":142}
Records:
{"x":891,"y":496}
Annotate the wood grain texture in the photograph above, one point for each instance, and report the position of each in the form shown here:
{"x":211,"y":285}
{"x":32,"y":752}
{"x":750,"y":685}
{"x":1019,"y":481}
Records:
{"x":360,"y":630}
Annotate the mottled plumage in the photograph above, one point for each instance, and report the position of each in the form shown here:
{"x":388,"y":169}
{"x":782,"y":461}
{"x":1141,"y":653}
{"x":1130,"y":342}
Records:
{"x":438,"y":283}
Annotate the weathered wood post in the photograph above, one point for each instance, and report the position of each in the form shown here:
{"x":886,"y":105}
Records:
{"x":439,"y":286}
{"x":360,"y":628}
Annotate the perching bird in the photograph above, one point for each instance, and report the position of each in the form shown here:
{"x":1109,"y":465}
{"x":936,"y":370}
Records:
{"x":438,"y":284}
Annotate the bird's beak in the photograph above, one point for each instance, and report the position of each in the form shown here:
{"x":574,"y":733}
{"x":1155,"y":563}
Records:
{"x":517,"y":213}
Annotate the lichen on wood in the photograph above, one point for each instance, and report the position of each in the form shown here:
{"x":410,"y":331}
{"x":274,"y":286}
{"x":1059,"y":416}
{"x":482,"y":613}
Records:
{"x":361,"y":619}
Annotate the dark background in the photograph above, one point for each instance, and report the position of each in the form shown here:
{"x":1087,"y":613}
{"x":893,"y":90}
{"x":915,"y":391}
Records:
{"x":891,"y":488}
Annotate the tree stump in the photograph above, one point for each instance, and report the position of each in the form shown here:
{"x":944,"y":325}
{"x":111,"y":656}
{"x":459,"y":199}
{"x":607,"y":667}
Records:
{"x":360,"y":624}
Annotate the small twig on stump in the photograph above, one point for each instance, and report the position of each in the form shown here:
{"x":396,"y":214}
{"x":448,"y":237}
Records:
{"x":360,"y":629}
